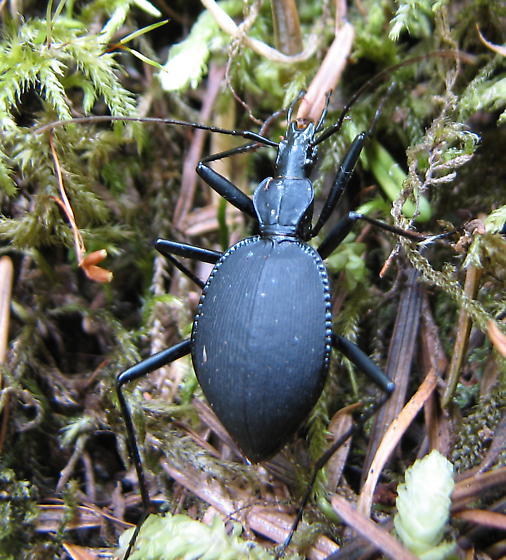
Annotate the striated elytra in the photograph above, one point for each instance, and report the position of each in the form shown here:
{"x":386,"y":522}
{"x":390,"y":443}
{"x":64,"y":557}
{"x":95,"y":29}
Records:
{"x":261,"y":340}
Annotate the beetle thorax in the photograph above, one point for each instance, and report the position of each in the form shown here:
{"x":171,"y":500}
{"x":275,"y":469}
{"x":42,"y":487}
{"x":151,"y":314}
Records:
{"x":284,"y":206}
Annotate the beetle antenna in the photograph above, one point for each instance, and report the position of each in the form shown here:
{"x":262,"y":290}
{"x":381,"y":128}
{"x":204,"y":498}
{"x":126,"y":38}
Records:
{"x":248,"y":134}
{"x":379,"y":110}
{"x":380,"y":76}
{"x":269,"y":120}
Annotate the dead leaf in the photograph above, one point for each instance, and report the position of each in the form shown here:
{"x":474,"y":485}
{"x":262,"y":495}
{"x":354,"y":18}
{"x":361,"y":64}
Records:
{"x":483,"y":517}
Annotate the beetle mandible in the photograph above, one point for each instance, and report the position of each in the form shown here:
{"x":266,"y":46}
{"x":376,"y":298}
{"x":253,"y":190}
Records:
{"x":262,"y":334}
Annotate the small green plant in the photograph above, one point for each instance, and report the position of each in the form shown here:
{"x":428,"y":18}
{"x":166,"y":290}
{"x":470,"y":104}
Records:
{"x":178,"y":537}
{"x":423,"y":507}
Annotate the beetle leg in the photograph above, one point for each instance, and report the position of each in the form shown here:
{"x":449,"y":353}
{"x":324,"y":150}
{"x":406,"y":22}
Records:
{"x":167,"y":247}
{"x":349,"y":161}
{"x":320,"y":463}
{"x":365,"y":364}
{"x":226,"y":189}
{"x":170,"y":248}
{"x":336,"y":236}
{"x":131,"y":374}
{"x":222,"y":185}
{"x":341,"y":181}
{"x":344,"y":226}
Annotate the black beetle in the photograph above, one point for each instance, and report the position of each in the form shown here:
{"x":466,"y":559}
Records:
{"x":262,"y":334}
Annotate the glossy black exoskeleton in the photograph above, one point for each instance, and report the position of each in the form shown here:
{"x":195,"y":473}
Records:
{"x":262,"y":333}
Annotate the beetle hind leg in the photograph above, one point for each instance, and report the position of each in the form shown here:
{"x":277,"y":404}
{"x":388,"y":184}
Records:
{"x":376,"y":374}
{"x":364,"y":363}
{"x":134,"y":372}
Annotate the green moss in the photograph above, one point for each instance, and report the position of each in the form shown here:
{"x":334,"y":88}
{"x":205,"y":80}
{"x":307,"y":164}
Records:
{"x":18,"y":511}
{"x":476,"y":430}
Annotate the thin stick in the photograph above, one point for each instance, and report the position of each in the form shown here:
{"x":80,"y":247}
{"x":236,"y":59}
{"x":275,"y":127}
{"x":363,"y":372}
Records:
{"x":6,"y":276}
{"x":392,"y":437}
{"x":380,"y":76}
{"x":388,"y":544}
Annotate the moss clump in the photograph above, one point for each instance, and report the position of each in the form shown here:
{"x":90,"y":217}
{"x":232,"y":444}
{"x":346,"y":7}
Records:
{"x":476,"y":431}
{"x":18,"y":511}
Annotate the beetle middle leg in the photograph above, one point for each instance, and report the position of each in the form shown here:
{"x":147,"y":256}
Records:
{"x":343,"y":227}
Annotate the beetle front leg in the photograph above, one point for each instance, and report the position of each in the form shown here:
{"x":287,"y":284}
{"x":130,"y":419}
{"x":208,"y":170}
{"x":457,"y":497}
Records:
{"x":137,"y":371}
{"x":341,"y":181}
{"x":348,"y":163}
{"x":222,"y":185}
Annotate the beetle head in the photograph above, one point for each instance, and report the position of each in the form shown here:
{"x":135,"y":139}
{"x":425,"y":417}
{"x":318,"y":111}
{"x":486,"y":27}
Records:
{"x":296,"y":153}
